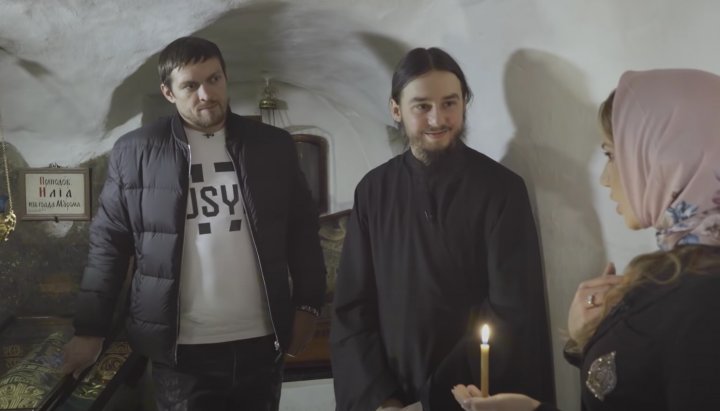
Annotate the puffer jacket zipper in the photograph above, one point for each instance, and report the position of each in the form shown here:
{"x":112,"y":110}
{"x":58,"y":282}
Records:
{"x":186,"y":192}
{"x":257,"y":256}
{"x":252,"y":238}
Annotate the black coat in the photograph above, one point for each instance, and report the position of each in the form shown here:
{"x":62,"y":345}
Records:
{"x":142,"y":213}
{"x":429,"y":251}
{"x":664,"y":343}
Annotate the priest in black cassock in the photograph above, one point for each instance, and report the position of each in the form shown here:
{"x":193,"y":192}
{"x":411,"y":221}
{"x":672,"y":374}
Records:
{"x":440,"y":239}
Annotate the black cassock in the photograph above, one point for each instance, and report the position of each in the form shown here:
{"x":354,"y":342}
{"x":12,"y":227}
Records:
{"x":430,"y":253}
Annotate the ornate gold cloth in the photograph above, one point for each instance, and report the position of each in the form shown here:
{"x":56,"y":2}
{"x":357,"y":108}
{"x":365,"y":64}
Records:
{"x":36,"y":377}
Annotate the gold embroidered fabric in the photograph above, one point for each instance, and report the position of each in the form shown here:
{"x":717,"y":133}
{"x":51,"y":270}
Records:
{"x":33,"y":378}
{"x":26,"y":384}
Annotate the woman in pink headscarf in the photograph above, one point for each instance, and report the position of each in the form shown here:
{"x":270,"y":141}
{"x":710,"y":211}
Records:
{"x":650,"y":339}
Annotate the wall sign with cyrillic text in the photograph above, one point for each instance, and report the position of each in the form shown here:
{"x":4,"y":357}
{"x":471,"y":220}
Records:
{"x":55,"y":194}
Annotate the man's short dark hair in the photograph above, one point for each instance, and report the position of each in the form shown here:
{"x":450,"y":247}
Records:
{"x":184,"y":51}
{"x":420,"y":61}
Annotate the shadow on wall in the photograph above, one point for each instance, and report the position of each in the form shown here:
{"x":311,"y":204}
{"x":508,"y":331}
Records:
{"x":33,"y":68}
{"x":556,"y":135}
{"x":389,"y":51}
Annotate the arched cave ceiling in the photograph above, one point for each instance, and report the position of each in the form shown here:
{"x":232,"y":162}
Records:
{"x":78,"y":69}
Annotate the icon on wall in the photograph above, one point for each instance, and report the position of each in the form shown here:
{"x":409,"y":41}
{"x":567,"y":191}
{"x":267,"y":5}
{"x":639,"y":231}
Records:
{"x":312,"y":154}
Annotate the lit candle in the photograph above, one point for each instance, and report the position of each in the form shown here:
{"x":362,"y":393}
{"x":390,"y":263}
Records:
{"x":485,"y":360}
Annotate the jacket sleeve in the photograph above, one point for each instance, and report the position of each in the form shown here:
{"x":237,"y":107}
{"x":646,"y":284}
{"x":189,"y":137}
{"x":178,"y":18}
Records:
{"x":573,"y":354}
{"x":691,"y":354}
{"x":520,"y":354}
{"x":305,"y":258}
{"x":362,"y":377}
{"x":110,"y":249}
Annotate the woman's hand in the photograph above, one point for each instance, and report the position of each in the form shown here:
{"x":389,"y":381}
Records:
{"x":470,"y":398}
{"x":589,"y":301}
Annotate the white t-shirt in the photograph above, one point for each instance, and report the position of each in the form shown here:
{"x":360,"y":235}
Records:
{"x":222,"y":297}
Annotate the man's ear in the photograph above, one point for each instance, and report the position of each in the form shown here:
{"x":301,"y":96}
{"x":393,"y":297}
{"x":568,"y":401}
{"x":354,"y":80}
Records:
{"x":395,"y":111}
{"x":167,"y":92}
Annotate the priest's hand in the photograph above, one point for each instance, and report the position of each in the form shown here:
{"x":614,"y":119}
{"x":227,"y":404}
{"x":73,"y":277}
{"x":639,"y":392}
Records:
{"x":589,"y":301}
{"x":79,"y":353}
{"x":471,"y":399}
{"x":303,"y":332}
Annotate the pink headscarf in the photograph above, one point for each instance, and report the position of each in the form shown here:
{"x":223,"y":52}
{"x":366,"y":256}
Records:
{"x":666,"y":132}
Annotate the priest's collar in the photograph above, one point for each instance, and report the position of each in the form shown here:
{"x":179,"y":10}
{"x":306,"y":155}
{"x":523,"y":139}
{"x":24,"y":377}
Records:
{"x":450,"y":162}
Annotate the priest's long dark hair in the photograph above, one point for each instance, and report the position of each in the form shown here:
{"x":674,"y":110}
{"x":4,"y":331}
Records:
{"x":419,"y":61}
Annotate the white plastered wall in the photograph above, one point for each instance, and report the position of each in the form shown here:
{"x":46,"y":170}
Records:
{"x":77,"y":74}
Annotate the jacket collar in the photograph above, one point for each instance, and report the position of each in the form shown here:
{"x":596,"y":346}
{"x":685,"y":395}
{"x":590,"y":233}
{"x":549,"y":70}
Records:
{"x":177,"y":128}
{"x":635,"y":301}
{"x":234,"y":127}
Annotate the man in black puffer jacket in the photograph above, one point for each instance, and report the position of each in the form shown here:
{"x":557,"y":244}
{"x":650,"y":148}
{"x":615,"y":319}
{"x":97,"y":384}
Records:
{"x":228,"y":271}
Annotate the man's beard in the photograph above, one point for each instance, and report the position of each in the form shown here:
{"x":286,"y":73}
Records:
{"x":428,"y":155}
{"x":213,"y":119}
{"x":195,"y":118}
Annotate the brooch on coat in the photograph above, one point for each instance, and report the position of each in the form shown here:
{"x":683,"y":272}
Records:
{"x":601,"y":378}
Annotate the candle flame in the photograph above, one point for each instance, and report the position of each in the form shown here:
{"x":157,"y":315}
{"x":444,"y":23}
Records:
{"x":485,"y":333}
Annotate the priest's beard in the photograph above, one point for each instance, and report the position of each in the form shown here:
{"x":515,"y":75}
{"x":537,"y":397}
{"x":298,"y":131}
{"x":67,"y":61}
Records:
{"x":424,"y":151}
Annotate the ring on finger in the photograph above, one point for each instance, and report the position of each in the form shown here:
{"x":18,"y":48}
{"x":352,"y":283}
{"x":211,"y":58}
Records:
{"x":590,"y":300}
